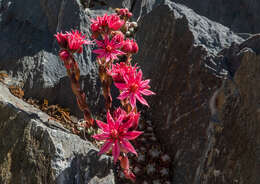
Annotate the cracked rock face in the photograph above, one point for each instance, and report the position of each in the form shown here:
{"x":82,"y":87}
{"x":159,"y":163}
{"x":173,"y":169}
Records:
{"x":174,"y":44}
{"x":35,"y":149}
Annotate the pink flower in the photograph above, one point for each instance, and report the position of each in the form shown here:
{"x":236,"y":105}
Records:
{"x":98,"y":23}
{"x":102,"y":24}
{"x":134,"y":88}
{"x":130,"y":46}
{"x":61,"y":39}
{"x":108,"y":49}
{"x":72,"y":41}
{"x":119,"y":70}
{"x":75,"y":41}
{"x":114,"y":22}
{"x":116,"y":135}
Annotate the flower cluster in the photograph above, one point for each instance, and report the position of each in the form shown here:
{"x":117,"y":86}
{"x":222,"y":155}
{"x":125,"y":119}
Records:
{"x":124,"y":12}
{"x":70,"y":42}
{"x":114,"y":38}
{"x":114,"y":53}
{"x":104,"y":24}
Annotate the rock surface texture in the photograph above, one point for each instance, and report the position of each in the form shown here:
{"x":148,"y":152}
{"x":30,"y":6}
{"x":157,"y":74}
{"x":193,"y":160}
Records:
{"x":233,"y":156}
{"x":29,"y":51}
{"x":36,"y":149}
{"x":241,"y":16}
{"x":175,"y":42}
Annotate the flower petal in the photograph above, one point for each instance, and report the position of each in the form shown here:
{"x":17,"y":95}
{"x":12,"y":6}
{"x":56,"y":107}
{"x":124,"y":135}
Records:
{"x":102,"y":125}
{"x":116,"y":151}
{"x":123,"y":95}
{"x":136,"y":120}
{"x":143,"y":84}
{"x":106,"y":146}
{"x":101,"y":137}
{"x":100,"y":44}
{"x":141,"y":99}
{"x":110,"y":120}
{"x":139,"y":76}
{"x":132,"y":121}
{"x":99,"y":51}
{"x":147,"y":92}
{"x":120,"y":86}
{"x":132,"y":135}
{"x":117,"y":52}
{"x":133,"y":100}
{"x":128,"y":146}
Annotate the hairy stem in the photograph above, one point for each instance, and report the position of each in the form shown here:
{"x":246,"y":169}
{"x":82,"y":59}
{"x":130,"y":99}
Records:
{"x":106,"y":82}
{"x":74,"y":75}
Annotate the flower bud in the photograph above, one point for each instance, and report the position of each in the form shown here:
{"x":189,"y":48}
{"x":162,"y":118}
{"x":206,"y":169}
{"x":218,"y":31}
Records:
{"x":135,"y":47}
{"x":124,"y":12}
{"x":131,"y":29}
{"x":128,"y":33}
{"x":119,"y":37}
{"x":64,"y":55}
{"x":94,"y":27}
{"x":134,"y":24}
{"x":130,"y":46}
{"x":127,"y":46}
{"x":129,"y":14}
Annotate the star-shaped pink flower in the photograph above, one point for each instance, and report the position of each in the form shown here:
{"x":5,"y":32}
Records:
{"x":119,"y":70}
{"x":108,"y":49}
{"x":116,"y":135}
{"x":133,"y":88}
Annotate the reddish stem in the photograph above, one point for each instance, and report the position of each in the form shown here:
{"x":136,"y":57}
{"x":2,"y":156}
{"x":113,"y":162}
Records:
{"x":74,"y":75}
{"x":106,"y":82}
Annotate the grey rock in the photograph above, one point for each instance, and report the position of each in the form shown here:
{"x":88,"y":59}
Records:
{"x":241,"y":16}
{"x":233,"y":154}
{"x":35,"y":149}
{"x":175,"y":43}
{"x":137,"y":7}
{"x":29,"y":51}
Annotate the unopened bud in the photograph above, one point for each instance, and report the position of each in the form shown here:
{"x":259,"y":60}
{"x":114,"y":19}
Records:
{"x":127,"y":46}
{"x":128,"y":33}
{"x":131,"y":29}
{"x":134,"y":24}
{"x":135,"y":47}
